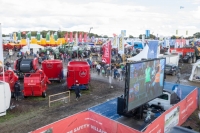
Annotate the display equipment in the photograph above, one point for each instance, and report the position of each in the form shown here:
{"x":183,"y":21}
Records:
{"x":146,"y":81}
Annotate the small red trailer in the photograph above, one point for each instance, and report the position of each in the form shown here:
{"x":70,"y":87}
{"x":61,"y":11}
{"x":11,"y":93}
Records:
{"x":11,"y":78}
{"x":35,"y":84}
{"x":53,"y":69}
{"x":80,"y":71}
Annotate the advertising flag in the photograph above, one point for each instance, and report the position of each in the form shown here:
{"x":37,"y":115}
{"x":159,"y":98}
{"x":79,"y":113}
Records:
{"x":14,"y":37}
{"x":38,"y":36}
{"x":176,"y":32}
{"x":153,"y":49}
{"x":19,"y":35}
{"x":121,"y":45}
{"x":66,"y":37}
{"x":85,"y":37}
{"x":147,"y":33}
{"x":1,"y":54}
{"x":28,"y":35}
{"x":80,"y":37}
{"x":71,"y":37}
{"x":48,"y":36}
{"x":76,"y":39}
{"x":114,"y":44}
{"x":106,"y":57}
{"x":55,"y":35}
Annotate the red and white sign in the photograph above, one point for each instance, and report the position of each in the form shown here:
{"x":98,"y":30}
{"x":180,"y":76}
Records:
{"x":106,"y":57}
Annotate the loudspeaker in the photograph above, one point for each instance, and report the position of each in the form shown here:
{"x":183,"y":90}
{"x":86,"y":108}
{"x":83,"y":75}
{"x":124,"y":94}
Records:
{"x":120,"y":105}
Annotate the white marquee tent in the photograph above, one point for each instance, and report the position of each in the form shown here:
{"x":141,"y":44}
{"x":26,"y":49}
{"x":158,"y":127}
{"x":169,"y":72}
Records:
{"x":195,"y":71}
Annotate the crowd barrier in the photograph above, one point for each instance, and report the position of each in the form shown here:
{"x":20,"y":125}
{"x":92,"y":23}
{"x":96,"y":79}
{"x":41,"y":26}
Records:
{"x":90,"y":122}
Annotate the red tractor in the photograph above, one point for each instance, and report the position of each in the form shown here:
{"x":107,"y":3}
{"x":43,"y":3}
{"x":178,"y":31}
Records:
{"x":11,"y":78}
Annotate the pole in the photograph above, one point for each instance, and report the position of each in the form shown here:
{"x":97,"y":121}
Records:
{"x":110,"y":77}
{"x":1,"y":54}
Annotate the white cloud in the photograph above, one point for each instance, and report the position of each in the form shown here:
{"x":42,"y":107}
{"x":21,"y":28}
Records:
{"x":107,"y":17}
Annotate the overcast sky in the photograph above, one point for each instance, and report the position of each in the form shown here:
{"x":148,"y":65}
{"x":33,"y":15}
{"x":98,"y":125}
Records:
{"x":162,"y":17}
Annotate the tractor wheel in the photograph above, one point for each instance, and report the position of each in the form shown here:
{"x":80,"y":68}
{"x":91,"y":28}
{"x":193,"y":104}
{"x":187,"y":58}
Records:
{"x":190,"y":61}
{"x":194,"y":59}
{"x":173,"y":73}
{"x":44,"y":94}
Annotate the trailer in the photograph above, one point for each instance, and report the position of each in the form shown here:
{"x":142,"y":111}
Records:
{"x":53,"y":69}
{"x":35,"y":84}
{"x":80,"y":71}
{"x":5,"y":97}
{"x":11,"y":78}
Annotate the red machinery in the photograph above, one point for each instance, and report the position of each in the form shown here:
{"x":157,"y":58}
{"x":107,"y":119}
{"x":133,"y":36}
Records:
{"x":53,"y":69}
{"x":11,"y":78}
{"x":35,"y":84}
{"x":22,"y":66}
{"x":78,"y":70}
{"x":186,"y":54}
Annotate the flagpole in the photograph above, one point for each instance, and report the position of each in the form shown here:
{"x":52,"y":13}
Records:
{"x":1,"y":51}
{"x":110,"y":76}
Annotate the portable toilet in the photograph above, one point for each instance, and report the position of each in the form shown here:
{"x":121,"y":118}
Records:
{"x":5,"y":97}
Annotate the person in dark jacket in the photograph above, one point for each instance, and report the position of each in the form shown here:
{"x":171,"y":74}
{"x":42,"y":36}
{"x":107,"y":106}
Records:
{"x":17,"y":90}
{"x":77,"y":90}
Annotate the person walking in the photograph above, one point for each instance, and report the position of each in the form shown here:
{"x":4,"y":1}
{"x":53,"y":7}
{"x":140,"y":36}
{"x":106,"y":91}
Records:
{"x":77,"y":90}
{"x":17,"y":90}
{"x":178,"y":77}
{"x":98,"y":68}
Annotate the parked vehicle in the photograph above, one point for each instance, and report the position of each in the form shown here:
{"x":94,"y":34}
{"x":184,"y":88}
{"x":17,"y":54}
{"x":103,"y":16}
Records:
{"x":22,"y":66}
{"x":80,"y":71}
{"x":171,"y":69}
{"x":53,"y":69}
{"x":167,"y":100}
{"x":35,"y":84}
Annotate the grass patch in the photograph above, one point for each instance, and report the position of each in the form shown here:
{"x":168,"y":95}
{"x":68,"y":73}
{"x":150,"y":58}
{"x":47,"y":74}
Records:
{"x":37,"y":98}
{"x":9,"y":115}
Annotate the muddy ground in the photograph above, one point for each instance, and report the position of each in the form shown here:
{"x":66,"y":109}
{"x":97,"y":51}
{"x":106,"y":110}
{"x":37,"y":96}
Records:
{"x":33,"y":112}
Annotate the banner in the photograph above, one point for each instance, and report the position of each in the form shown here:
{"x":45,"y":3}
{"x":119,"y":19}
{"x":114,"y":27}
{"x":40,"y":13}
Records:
{"x":114,"y":44}
{"x":121,"y":45}
{"x":76,"y":39}
{"x":1,"y":54}
{"x":106,"y":57}
{"x":71,"y":37}
{"x":153,"y":49}
{"x":80,"y":37}
{"x":66,"y":37}
{"x":85,"y":37}
{"x":14,"y":37}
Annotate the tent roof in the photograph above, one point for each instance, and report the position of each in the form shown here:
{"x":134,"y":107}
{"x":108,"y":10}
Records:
{"x":141,"y":55}
{"x":33,"y":46}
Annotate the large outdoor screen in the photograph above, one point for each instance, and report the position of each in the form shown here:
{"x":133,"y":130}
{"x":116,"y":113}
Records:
{"x":146,"y":79}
